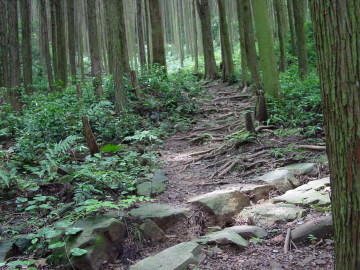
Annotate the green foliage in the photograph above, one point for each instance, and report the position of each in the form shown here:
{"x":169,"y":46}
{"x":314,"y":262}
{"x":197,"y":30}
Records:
{"x":300,"y":104}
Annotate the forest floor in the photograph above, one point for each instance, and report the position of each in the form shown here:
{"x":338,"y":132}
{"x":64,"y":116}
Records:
{"x":195,"y":165}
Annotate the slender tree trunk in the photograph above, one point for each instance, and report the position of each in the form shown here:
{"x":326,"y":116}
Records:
{"x":81,"y":40}
{"x":290,"y":10}
{"x":53,"y":39}
{"x":149,"y":35}
{"x":123,"y":39}
{"x":244,"y":64}
{"x":250,"y":45}
{"x":61,"y":58}
{"x":280,"y":17}
{"x":13,"y":45}
{"x":4,"y":43}
{"x":228,"y":66}
{"x":337,"y":37}
{"x":45,"y":40}
{"x":94,"y":47}
{"x":25,"y":11}
{"x":142,"y":56}
{"x":158,"y":47}
{"x":299,"y":15}
{"x":71,"y":39}
{"x":266,"y":47}
{"x":195,"y":36}
{"x":207,"y":39}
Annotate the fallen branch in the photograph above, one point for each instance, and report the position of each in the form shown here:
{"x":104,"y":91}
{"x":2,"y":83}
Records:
{"x":259,"y":128}
{"x":312,"y":147}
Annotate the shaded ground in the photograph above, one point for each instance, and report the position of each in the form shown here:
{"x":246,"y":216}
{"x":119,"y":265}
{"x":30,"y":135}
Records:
{"x":195,"y":165}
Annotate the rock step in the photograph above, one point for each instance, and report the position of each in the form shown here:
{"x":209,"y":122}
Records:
{"x":178,"y":257}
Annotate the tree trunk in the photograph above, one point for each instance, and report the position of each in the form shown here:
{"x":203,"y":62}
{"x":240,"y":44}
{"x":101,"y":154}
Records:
{"x":158,"y":47}
{"x":89,"y":136}
{"x":45,"y":40}
{"x":290,"y":10}
{"x":123,"y":38}
{"x":15,"y":83}
{"x":266,"y":47}
{"x":195,"y":37}
{"x":4,"y":44}
{"x":142,"y":56}
{"x":337,"y":37}
{"x":25,"y":11}
{"x":61,"y":58}
{"x":71,"y":39}
{"x":207,"y":39}
{"x":244,"y":64}
{"x":299,"y":15}
{"x":94,"y":47}
{"x":281,"y":22}
{"x":250,"y":45}
{"x":228,"y":66}
{"x":53,"y":39}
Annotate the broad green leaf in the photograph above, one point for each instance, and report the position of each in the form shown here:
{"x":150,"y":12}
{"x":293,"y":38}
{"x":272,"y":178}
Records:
{"x":73,"y":230}
{"x":63,"y":224}
{"x":52,"y":233}
{"x":78,"y":252}
{"x":57,"y":245}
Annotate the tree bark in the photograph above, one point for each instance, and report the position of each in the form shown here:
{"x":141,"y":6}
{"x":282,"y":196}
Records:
{"x":337,"y":37}
{"x":94,"y":47}
{"x":89,"y":136}
{"x":299,"y":15}
{"x":244,"y":64}
{"x":290,"y":10}
{"x":61,"y":58}
{"x":250,"y":45}
{"x":207,"y":39}
{"x":195,"y":37}
{"x":281,"y":22}
{"x":266,"y":47}
{"x":45,"y":40}
{"x":25,"y":11}
{"x":158,"y":48}
{"x":228,"y":66}
{"x":71,"y":39}
{"x":13,"y":45}
{"x":4,"y":44}
{"x":141,"y":44}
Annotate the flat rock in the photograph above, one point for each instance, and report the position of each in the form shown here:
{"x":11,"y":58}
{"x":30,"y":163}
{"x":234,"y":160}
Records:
{"x":320,"y":228}
{"x":283,"y":180}
{"x":150,"y":188}
{"x":223,"y":237}
{"x":151,"y":231}
{"x":247,"y":231}
{"x":314,"y":192}
{"x":256,"y":192}
{"x":178,"y":257}
{"x":268,"y":214}
{"x":303,"y":169}
{"x":222,"y":202}
{"x":163,"y":215}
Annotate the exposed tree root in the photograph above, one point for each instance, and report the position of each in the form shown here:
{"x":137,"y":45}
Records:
{"x":232,"y":97}
{"x":312,"y":147}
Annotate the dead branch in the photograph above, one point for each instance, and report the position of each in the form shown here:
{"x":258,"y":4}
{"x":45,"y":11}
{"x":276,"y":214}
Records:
{"x":312,"y":147}
{"x":259,"y":128}
{"x":89,"y":135}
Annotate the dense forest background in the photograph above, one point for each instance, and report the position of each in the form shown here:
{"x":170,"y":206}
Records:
{"x":90,"y":89}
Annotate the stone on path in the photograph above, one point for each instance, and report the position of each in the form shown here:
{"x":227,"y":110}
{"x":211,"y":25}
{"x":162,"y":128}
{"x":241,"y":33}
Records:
{"x":314,"y":192}
{"x":222,"y":202}
{"x":256,"y":192}
{"x":178,"y":257}
{"x":101,"y":236}
{"x":150,"y":188}
{"x":302,"y":169}
{"x":223,"y":237}
{"x":320,"y":227}
{"x":160,"y":177}
{"x":163,"y":215}
{"x":283,"y":180}
{"x":151,"y":231}
{"x":247,"y":231}
{"x":268,"y":214}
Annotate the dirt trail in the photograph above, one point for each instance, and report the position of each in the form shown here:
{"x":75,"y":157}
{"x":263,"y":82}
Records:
{"x":194,"y":167}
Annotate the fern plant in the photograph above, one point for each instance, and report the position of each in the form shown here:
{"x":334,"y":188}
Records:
{"x":55,"y":154}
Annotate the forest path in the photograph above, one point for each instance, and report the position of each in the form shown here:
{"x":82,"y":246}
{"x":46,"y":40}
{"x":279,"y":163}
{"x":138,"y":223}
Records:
{"x":203,"y":159}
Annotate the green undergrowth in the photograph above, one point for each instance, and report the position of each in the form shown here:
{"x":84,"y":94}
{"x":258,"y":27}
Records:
{"x":45,"y":162}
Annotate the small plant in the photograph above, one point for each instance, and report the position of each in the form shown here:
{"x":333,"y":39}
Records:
{"x":312,"y":238}
{"x":256,"y":240}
